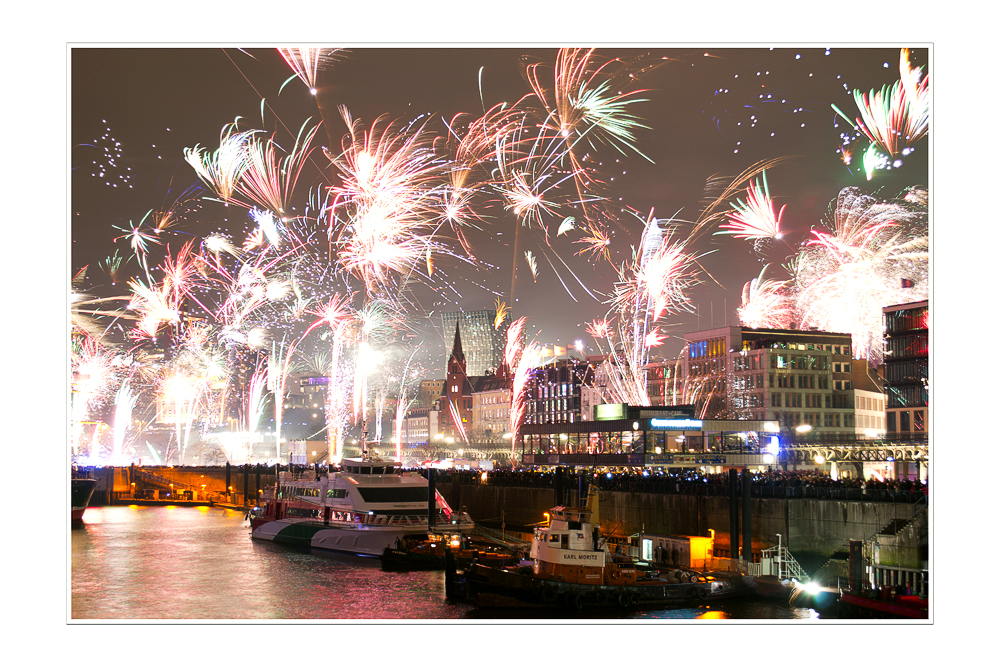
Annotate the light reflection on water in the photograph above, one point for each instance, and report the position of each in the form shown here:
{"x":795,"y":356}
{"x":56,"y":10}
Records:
{"x":132,"y":562}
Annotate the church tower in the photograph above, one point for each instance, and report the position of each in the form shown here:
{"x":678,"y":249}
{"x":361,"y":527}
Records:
{"x":456,"y":363}
{"x":457,"y":392}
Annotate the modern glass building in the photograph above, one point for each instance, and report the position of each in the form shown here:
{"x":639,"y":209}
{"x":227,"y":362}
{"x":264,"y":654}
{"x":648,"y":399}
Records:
{"x":482,"y":341}
{"x":907,"y":329}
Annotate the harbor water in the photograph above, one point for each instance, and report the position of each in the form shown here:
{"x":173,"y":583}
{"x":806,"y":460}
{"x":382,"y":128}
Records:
{"x":199,"y":564}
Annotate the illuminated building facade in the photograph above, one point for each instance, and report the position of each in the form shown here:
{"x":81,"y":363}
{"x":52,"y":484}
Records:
{"x":624,"y":436}
{"x":428,"y":393}
{"x":662,"y":384}
{"x":420,"y":426}
{"x":554,"y":394}
{"x":491,"y":406}
{"x":805,"y":380}
{"x":907,"y":330}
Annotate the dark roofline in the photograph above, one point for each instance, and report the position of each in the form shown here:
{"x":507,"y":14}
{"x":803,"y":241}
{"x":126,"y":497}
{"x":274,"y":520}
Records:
{"x":906,"y":306}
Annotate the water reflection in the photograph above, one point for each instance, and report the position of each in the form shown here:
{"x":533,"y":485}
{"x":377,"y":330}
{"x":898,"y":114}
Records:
{"x":138,"y":562}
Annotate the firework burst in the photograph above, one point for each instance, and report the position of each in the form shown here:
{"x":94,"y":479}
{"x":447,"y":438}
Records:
{"x":755,"y":219}
{"x":876,"y":256}
{"x":306,"y":62}
{"x":269,"y":180}
{"x":766,"y":304}
{"x":221,"y":170}
{"x":895,"y":117}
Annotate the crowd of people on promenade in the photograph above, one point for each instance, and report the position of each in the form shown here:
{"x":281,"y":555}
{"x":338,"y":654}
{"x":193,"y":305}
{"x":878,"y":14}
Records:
{"x":677,"y":481}
{"x":774,"y":480}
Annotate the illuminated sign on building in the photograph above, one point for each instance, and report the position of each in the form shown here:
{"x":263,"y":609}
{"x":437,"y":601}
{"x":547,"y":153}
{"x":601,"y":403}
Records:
{"x":608,"y":411}
{"x":677,"y":424}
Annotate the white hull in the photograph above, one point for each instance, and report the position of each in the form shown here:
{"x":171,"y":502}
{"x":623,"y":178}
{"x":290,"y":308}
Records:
{"x":365,"y":541}
{"x":364,"y":509}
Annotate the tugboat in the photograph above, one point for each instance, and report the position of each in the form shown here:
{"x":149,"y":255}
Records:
{"x":366,"y":507}
{"x":571,"y":565}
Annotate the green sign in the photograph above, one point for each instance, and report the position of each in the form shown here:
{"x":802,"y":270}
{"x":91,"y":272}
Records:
{"x":609,"y":411}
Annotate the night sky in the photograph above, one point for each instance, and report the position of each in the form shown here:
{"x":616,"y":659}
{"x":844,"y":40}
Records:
{"x":709,"y":110}
{"x":60,"y":103}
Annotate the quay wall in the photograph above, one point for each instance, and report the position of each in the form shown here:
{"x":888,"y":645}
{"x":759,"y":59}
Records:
{"x":812,"y":529}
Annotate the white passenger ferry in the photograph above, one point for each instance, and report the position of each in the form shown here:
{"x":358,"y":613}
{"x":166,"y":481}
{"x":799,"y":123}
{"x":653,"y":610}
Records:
{"x":362,"y":509}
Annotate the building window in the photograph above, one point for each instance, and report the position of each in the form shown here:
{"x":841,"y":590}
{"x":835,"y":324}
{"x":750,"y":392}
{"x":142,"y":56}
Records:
{"x":904,"y":421}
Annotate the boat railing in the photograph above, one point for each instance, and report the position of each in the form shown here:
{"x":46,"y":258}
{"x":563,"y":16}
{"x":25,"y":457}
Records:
{"x":779,"y":561}
{"x":916,"y":580}
{"x":298,"y":475}
{"x":721,"y":564}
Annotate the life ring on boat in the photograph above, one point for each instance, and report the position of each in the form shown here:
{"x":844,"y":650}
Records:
{"x":602,"y":597}
{"x":633,"y":599}
{"x":623,"y":599}
{"x":702,"y":593}
{"x":575,"y":600}
{"x":548,"y":594}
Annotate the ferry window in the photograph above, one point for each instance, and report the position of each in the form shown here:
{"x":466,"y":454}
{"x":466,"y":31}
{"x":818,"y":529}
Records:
{"x":553,"y":538}
{"x":565,"y":541}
